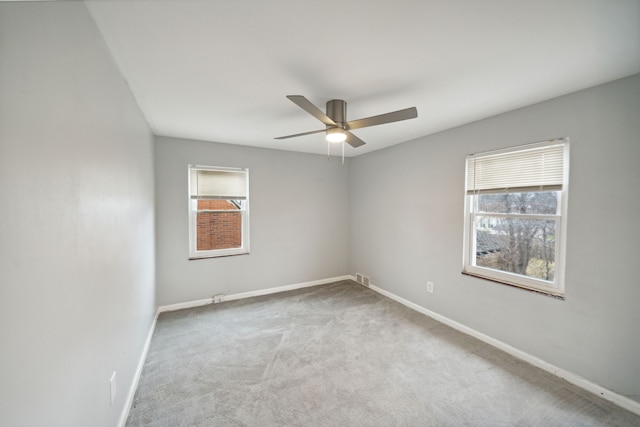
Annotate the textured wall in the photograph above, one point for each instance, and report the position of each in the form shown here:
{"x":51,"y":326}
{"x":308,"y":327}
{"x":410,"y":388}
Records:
{"x":592,"y":333}
{"x":77,"y":267}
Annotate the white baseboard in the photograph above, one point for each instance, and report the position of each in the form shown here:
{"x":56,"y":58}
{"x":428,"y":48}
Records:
{"x":618,"y":399}
{"x":181,"y":305}
{"x":250,"y":294}
{"x":285,"y":288}
{"x":136,"y":376}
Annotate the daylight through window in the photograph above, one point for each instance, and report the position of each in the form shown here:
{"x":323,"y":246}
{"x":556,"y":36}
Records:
{"x":515,"y":214}
{"x":218,"y":211}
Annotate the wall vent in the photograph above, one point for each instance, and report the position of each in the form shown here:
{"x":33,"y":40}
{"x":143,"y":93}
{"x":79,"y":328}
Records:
{"x":359,"y":278}
{"x":366,"y":281}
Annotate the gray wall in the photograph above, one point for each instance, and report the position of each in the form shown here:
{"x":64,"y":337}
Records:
{"x":76,"y":229}
{"x":594,"y":332}
{"x":298,"y":221}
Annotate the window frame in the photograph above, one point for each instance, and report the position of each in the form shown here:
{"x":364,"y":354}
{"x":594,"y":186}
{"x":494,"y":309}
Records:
{"x":554,"y":288}
{"x":192,"y":200}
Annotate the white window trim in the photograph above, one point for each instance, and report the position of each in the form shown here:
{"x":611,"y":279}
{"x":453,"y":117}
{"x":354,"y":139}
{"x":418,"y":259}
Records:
{"x":193,"y":252}
{"x":555,"y":288}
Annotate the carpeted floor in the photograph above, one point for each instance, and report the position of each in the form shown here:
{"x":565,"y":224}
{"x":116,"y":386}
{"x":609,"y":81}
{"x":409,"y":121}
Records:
{"x":343,"y":355}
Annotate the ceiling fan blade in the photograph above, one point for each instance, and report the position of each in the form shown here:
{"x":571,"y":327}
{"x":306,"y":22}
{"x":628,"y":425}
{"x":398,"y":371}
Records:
{"x":307,"y":106}
{"x":353,"y":140}
{"x":301,"y":134}
{"x":395,"y":116}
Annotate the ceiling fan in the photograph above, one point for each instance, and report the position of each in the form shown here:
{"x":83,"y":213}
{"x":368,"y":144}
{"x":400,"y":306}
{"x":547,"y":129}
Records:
{"x":337,"y":127}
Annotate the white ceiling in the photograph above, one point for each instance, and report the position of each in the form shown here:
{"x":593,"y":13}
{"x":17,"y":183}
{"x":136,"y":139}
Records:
{"x":220,"y":70}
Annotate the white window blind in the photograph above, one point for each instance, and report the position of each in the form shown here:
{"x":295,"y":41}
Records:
{"x":218,"y":184}
{"x":536,"y":167}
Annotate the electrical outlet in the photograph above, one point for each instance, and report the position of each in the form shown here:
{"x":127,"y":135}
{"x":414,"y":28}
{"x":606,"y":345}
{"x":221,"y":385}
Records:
{"x":218,"y":298}
{"x":112,"y":386}
{"x":430,"y":287}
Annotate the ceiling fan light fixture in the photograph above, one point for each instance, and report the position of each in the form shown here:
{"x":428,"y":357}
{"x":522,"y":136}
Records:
{"x":336,"y":135}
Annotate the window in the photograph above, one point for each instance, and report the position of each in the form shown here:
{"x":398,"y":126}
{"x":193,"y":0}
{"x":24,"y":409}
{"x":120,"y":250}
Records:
{"x":515,"y":215}
{"x":218,"y":211}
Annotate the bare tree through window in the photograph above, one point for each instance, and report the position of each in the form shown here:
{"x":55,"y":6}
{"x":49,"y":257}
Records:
{"x":513,"y":235}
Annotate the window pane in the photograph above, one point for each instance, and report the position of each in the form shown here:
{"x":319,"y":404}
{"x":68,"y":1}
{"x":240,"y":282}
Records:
{"x":219,"y":205}
{"x":544,"y":202}
{"x":218,"y":230}
{"x":520,"y":246}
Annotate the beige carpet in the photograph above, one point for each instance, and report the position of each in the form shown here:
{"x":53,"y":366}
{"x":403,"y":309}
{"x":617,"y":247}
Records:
{"x":342,"y":355}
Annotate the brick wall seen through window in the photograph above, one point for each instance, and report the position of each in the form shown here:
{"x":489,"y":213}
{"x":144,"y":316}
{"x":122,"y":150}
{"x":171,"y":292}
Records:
{"x":221,"y":229}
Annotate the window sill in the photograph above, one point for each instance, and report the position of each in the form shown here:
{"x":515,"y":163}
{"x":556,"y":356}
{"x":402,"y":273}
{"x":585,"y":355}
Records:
{"x":515,"y":285}
{"x":217,"y":256}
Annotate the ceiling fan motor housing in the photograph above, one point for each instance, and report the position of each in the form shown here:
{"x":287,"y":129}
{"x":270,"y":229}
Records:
{"x":337,"y":111}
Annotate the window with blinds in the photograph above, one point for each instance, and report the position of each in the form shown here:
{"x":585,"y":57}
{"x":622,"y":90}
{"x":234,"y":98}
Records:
{"x":515,"y":215}
{"x":218,"y":211}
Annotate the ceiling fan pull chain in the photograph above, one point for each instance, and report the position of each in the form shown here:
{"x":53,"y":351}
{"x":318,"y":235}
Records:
{"x":343,"y":152}
{"x":328,"y":151}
